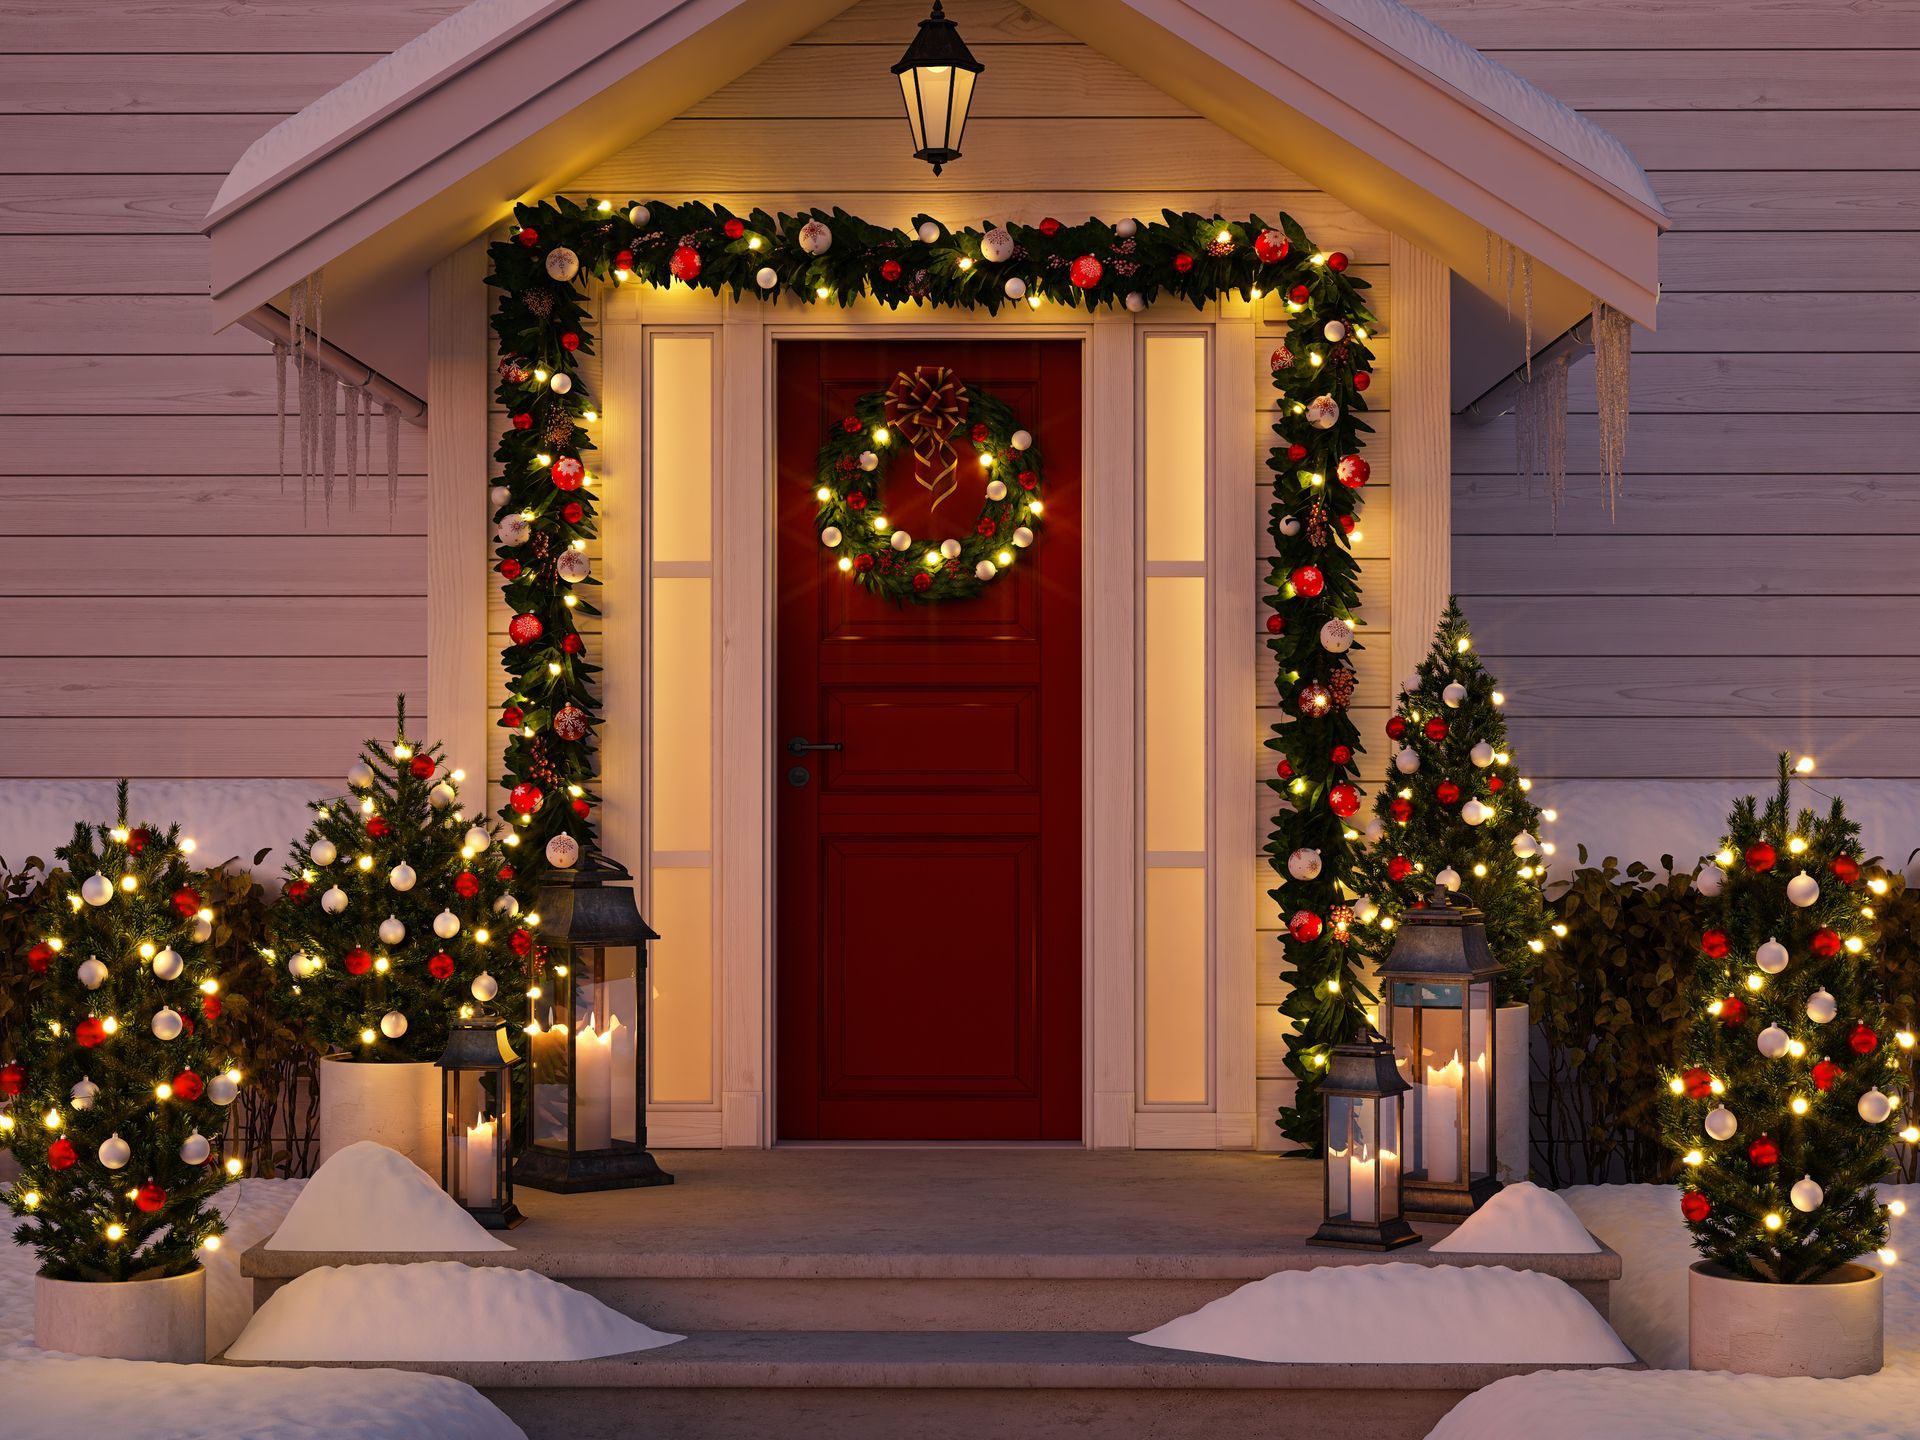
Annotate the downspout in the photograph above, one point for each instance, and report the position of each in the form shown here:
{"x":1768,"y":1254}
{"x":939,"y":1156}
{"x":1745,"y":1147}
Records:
{"x":272,"y":324}
{"x":1574,"y":343}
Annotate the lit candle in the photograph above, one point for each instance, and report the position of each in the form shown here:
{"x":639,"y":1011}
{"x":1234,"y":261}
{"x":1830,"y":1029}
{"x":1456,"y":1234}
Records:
{"x":476,"y":1174}
{"x":1440,"y":1119}
{"x":1363,"y":1201}
{"x":593,"y":1088}
{"x":625,"y":1075}
{"x":549,"y":1047}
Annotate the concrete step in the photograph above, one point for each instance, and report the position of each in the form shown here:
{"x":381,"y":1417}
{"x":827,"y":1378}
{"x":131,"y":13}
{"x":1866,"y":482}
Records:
{"x":964,"y":1385}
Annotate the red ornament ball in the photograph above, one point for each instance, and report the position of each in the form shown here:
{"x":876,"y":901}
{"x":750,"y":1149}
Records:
{"x":735,"y":227}
{"x":1763,"y":1152}
{"x":568,"y":473}
{"x":922,"y":581}
{"x":1049,"y":227}
{"x":1345,"y":522}
{"x":1713,"y":943}
{"x":1336,"y":261}
{"x":466,"y":885}
{"x":357,"y":961}
{"x":1284,"y":768}
{"x":504,"y":874}
{"x":186,"y":901}
{"x":569,"y":340}
{"x":1845,"y":869}
{"x":570,"y":722}
{"x":850,"y":424}
{"x":1361,"y":379}
{"x":1353,"y":471}
{"x":140,"y":837}
{"x":1399,"y":868}
{"x":528,"y":236}
{"x":685,"y":264}
{"x":211,"y":1007}
{"x":523,"y":421}
{"x":573,"y":512}
{"x":1344,"y":800}
{"x":1299,"y":295}
{"x":1824,"y":1074}
{"x":1183,"y":262}
{"x":864,"y":562}
{"x":525,"y":629}
{"x":421,"y":767}
{"x":1697,"y":1082}
{"x":890,"y":270}
{"x":297,"y":890}
{"x":1435,"y":729}
{"x":440,"y":966}
{"x":1447,"y":793}
{"x":1085,"y":272}
{"x":1400,"y":809}
{"x":525,"y":798}
{"x":1825,"y":943}
{"x":13,"y":1078}
{"x":623,"y":260}
{"x":1270,"y":246}
{"x":512,"y":716}
{"x":510,"y":568}
{"x":520,"y":942}
{"x":1396,"y":727}
{"x":1760,"y":856}
{"x":1296,"y":452}
{"x":89,"y":1032}
{"x":188,"y":1086}
{"x":1304,"y":927}
{"x":1276,"y":624}
{"x":1341,"y":755}
{"x":1733,"y":1011}
{"x":61,"y":1154}
{"x":1862,"y":1041}
{"x":378,"y":828}
{"x":39,"y":958}
{"x":150,"y":1198}
{"x":572,"y":644}
{"x":1695,"y":1206}
{"x":1307,"y":581}
{"x":583,"y":809}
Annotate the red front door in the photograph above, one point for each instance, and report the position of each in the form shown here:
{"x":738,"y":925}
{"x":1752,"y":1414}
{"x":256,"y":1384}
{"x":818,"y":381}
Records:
{"x":929,"y":870}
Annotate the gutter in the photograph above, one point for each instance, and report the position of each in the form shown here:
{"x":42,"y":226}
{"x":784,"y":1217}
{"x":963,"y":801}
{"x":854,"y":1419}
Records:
{"x":1501,"y":398}
{"x":272,"y":324}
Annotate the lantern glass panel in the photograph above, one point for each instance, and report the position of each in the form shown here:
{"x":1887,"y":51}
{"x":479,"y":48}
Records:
{"x":1442,"y":1035}
{"x":585,"y":1040}
{"x":1363,"y":1173}
{"x":476,"y":1139}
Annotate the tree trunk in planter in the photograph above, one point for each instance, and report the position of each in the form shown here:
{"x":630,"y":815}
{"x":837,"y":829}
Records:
{"x":1829,"y":1328}
{"x":124,"y":1319}
{"x":393,"y":1105}
{"x":1513,"y":1071}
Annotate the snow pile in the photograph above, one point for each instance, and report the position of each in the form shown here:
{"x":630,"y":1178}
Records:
{"x":1401,"y":1313}
{"x":1522,"y":1219}
{"x":438,"y":1310}
{"x":368,"y":1197}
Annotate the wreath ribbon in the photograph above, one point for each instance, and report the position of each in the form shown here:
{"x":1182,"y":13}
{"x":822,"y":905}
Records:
{"x":927,"y":405}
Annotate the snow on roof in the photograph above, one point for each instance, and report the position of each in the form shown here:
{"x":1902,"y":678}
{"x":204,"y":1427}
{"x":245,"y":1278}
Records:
{"x":446,"y":48}
{"x":1450,"y":59}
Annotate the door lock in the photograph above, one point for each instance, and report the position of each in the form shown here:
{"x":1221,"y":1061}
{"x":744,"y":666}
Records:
{"x":798,"y":776}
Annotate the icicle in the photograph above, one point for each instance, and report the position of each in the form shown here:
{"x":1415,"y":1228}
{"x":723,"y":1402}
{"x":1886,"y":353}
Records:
{"x":392,"y":412}
{"x":297,"y":322}
{"x":1540,"y":430}
{"x":280,"y":409}
{"x":352,"y":393}
{"x":330,"y":432}
{"x":1612,"y":361}
{"x":1526,"y":305}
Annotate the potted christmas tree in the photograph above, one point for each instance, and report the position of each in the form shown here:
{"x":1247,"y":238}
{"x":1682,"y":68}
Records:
{"x":1455,"y":812}
{"x":1780,"y":1110}
{"x":397,"y":912}
{"x":121,"y":1101}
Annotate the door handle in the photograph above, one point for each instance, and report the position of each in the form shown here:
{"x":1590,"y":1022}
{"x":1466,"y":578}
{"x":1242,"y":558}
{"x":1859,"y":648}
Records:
{"x":799,"y":745}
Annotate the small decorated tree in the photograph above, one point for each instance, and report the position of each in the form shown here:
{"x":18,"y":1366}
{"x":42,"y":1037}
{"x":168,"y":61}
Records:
{"x":395,"y":906}
{"x":119,"y":1088}
{"x":1455,"y":810}
{"x":1780,"y":1111}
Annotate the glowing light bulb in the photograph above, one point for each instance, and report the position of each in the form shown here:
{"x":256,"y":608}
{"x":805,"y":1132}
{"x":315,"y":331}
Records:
{"x":1904,"y":1039}
{"x":116,"y":1231}
{"x":366,"y":1037}
{"x":1798,"y":1104}
{"x":1896,"y":1207}
{"x":1796,"y":846}
{"x":1561,"y":931}
{"x":212,"y":1242}
{"x":31,"y":1199}
{"x":163,"y":1091}
{"x":1693,"y":1157}
{"x":965,"y":263}
{"x":823,"y":494}
{"x":1804,"y":765}
{"x":1889,"y":1256}
{"x":1677,"y":1085}
{"x":1796,"y":1048}
{"x":1773,"y":1220}
{"x":1725,"y":857}
{"x":233,"y":1167}
{"x":1756,"y":980}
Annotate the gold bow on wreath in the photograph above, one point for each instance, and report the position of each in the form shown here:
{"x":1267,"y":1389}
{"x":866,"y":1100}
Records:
{"x":926,"y":406}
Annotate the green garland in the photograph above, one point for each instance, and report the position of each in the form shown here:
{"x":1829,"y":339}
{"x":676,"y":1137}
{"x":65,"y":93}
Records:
{"x":880,"y":557}
{"x":547,"y":511}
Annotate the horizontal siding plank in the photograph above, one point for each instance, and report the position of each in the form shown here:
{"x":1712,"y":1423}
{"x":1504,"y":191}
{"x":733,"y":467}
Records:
{"x":1694,"y":685}
{"x":89,"y":265}
{"x":1758,"y":385}
{"x":320,"y":566}
{"x":1809,"y":322}
{"x":164,"y":748}
{"x":118,"y":325}
{"x":191,"y":626}
{"x":140,"y":385}
{"x":105,"y":204}
{"x":1807,"y":79}
{"x":107,"y":83}
{"x":1716,"y":748}
{"x":1695,"y":625}
{"x":173,"y":27}
{"x":1681,"y":564}
{"x":1635,"y":25}
{"x":890,"y":22}
{"x":251,"y":687}
{"x":1752,"y":199}
{"x":173,"y":445}
{"x":205,"y":144}
{"x":50,"y":505}
{"x":1853,"y":138}
{"x":1715,"y":444}
{"x":1867,"y":260}
{"x":1825,"y":504}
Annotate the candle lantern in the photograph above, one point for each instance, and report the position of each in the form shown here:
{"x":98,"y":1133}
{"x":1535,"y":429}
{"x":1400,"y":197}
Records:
{"x":588,"y":1036}
{"x":1437,"y":999}
{"x":476,"y":1120}
{"x":1362,"y":1091}
{"x":936,"y":77}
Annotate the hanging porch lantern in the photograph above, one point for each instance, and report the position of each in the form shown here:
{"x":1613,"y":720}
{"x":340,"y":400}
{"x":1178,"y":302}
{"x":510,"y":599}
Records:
{"x":936,"y":81}
{"x":1362,"y":1090}
{"x":1437,"y":1000}
{"x":476,"y":1115}
{"x":588,"y":1036}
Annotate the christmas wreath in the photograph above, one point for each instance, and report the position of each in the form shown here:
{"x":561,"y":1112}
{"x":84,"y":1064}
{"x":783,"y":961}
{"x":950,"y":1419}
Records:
{"x":943,"y":424}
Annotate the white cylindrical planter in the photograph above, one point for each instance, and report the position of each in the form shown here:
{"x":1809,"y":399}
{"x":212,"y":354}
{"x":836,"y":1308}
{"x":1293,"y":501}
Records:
{"x":394,"y":1105}
{"x":125,"y":1319}
{"x":1829,"y":1328}
{"x":1513,"y":1072}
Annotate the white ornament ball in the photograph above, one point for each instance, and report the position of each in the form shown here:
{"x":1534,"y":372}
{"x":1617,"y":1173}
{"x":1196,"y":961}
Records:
{"x":513,"y":529}
{"x":401,"y":877}
{"x":1323,"y":412}
{"x":1448,"y":879}
{"x":498,"y":495}
{"x":1336,"y":331}
{"x":83,"y":1093}
{"x":167,"y":1024}
{"x":1720,"y":1123}
{"x":1525,"y":846}
{"x":195,"y":1149}
{"x":1289,"y":526}
{"x":1021,"y":440}
{"x":1803,"y":889}
{"x":392,"y":932}
{"x":1822,"y":1007}
{"x":1015,"y":287}
{"x":1304,"y":864}
{"x":1365,"y":911}
{"x":393,"y":1024}
{"x":1772,"y":1042}
{"x":1874,"y":1107}
{"x":1455,"y":695}
{"x":334,"y":900}
{"x":301,"y":965}
{"x":1481,"y":755}
{"x":869,"y":461}
{"x":573,"y":566}
{"x":1806,"y":1195}
{"x":485,"y":987}
{"x":506,"y":905}
{"x":830,"y":536}
{"x":997,"y":245}
{"x":92,"y":973}
{"x":201,"y":930}
{"x":1407,"y":761}
{"x":984,"y":570}
{"x":168,"y":964}
{"x":96,"y":889}
{"x":223,"y":1089}
{"x":562,"y":263}
{"x":1375,"y":832}
{"x":563,"y":852}
{"x":1474,"y":813}
{"x":1136,"y":302}
{"x":639,"y":217}
{"x":1022,"y":537}
{"x":115,"y":1152}
{"x":928,"y":232}
{"x":901,"y":540}
{"x":950,"y":549}
{"x":560,"y":383}
{"x":323,"y":851}
{"x":766,"y":277}
{"x":360,"y":774}
{"x":1337,"y":636}
{"x":996,"y":489}
{"x":440,"y":796}
{"x":1126,"y":229}
{"x":816,"y":237}
{"x":446,"y":924}
{"x":1771,"y":957}
{"x":476,"y":838}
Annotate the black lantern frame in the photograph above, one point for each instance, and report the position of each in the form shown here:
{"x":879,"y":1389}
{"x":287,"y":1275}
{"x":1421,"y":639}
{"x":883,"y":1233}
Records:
{"x":1361,"y":1197}
{"x":476,"y":1080}
{"x":1437,"y":1004}
{"x":936,"y":77}
{"x":589,"y":1094}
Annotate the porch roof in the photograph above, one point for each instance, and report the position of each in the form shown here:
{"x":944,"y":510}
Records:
{"x":505,"y":99}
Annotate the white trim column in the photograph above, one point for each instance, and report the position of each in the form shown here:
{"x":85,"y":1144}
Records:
{"x":1422,"y":545}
